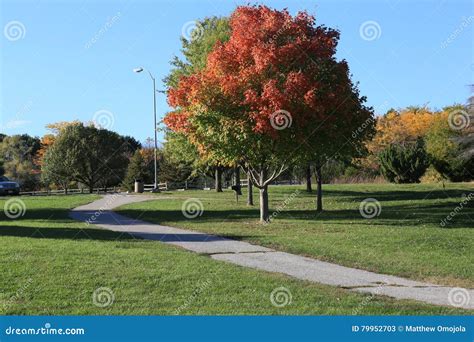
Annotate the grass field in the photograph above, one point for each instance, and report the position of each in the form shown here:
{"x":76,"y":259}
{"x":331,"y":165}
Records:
{"x":52,"y":265}
{"x":406,"y":239}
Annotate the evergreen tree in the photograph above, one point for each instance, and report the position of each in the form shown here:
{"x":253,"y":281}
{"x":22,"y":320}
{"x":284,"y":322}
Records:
{"x":404,"y":163}
{"x":136,"y":171}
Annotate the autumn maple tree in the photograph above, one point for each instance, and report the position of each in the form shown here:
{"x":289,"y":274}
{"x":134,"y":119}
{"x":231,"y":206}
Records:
{"x":269,"y":95}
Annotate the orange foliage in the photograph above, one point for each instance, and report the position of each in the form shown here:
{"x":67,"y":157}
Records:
{"x":46,"y":142}
{"x":398,"y":127}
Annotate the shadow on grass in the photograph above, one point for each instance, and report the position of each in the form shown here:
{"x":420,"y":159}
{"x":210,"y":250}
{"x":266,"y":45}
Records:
{"x":397,"y":195}
{"x":108,"y":235}
{"x":64,"y":233}
{"x":389,"y":217}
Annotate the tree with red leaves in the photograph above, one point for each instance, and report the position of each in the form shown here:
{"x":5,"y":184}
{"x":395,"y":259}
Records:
{"x":270,"y":95}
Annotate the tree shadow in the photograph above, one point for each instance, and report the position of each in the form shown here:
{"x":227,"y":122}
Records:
{"x":64,"y":233}
{"x":397,"y":195}
{"x":399,"y":215}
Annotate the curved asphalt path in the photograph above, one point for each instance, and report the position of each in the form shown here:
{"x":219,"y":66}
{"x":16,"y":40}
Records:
{"x":245,"y":254}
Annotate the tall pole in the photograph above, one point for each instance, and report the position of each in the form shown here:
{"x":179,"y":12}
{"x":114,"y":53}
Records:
{"x":154,"y":128}
{"x":155,"y":152}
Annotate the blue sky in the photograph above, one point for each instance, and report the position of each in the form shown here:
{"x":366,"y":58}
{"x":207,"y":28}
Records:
{"x":66,"y":60}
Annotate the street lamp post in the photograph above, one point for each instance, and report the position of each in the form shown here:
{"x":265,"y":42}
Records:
{"x":138,"y":70}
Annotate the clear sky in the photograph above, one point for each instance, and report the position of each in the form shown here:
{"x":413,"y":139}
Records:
{"x":66,"y":60}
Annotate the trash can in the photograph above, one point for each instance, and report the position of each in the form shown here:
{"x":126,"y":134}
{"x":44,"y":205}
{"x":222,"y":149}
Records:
{"x":138,"y":186}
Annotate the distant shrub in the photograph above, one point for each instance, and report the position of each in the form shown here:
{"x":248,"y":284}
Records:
{"x":404,"y":163}
{"x":447,"y":152}
{"x":431,"y":176}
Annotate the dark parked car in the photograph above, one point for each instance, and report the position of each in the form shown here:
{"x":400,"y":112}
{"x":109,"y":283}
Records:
{"x":8,"y":187}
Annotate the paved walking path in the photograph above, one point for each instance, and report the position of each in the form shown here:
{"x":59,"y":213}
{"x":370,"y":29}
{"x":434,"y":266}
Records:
{"x":245,"y":254}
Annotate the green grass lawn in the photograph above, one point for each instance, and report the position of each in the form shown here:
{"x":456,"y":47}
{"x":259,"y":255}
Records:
{"x":406,"y":239}
{"x":51,"y":265}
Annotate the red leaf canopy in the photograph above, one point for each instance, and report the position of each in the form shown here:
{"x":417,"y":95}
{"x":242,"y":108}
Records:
{"x":272,"y":62}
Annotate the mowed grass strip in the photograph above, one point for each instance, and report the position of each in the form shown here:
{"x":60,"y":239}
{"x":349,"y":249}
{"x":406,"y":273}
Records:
{"x":51,"y":265}
{"x":405,"y":239}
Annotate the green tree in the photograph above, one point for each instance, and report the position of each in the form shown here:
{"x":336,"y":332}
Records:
{"x":137,"y":171}
{"x":404,"y":162}
{"x":57,"y":164}
{"x":207,"y":32}
{"x":449,"y":148}
{"x":17,"y":153}
{"x":93,"y":156}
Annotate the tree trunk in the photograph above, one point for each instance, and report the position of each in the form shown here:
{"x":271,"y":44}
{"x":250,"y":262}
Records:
{"x":218,"y":183}
{"x":237,"y":175}
{"x":250,"y":191}
{"x":308,"y":179}
{"x":91,"y":189}
{"x":319,"y":200}
{"x":264,"y":216}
